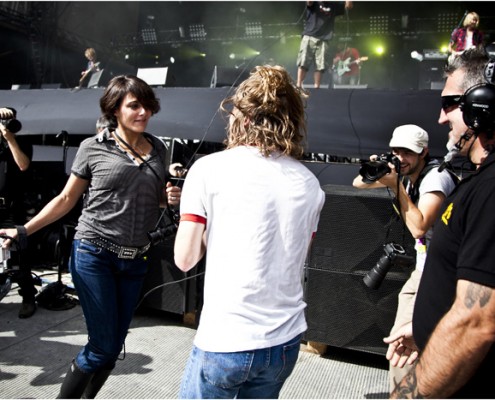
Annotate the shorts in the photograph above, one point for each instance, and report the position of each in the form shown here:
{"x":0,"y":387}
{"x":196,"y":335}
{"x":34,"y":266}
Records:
{"x":313,"y":52}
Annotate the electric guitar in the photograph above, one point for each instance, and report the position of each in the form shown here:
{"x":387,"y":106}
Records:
{"x":343,"y":66}
{"x":95,"y":67}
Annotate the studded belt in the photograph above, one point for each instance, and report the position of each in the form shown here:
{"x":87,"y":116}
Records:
{"x":121,"y":251}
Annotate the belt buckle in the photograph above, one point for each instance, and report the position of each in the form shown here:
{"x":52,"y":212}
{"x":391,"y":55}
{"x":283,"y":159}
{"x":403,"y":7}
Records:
{"x":128,"y":252}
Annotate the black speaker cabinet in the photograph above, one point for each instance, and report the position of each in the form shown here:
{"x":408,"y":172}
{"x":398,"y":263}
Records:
{"x":342,"y":311}
{"x":227,"y":76}
{"x":431,"y":74}
{"x":166,"y":287}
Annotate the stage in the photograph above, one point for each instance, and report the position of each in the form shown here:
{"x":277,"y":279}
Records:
{"x":341,"y":122}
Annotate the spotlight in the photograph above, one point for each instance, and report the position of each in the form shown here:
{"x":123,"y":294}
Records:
{"x":232,"y":56}
{"x":172,"y":60}
{"x":417,"y":56}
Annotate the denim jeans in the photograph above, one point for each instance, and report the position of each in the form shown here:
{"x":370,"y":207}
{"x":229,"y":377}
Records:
{"x":108,"y":288}
{"x":256,"y":374}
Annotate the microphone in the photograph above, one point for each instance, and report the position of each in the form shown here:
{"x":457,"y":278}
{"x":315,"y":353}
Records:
{"x":64,"y":135}
{"x":455,"y":150}
{"x":448,"y":158}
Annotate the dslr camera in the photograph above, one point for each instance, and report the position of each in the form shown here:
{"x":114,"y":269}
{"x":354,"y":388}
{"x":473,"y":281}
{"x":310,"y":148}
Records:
{"x":395,"y":255}
{"x":371,"y":171}
{"x":12,"y":124}
{"x":4,"y":257}
{"x":166,"y":229}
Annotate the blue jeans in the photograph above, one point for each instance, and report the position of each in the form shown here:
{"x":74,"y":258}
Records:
{"x":256,"y":374}
{"x":108,"y":288}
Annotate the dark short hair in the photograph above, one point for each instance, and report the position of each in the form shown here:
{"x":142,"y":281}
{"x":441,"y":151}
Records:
{"x":122,"y":85}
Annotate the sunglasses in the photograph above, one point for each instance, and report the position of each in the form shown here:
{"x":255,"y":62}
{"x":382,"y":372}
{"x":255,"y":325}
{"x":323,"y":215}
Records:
{"x":451,"y":101}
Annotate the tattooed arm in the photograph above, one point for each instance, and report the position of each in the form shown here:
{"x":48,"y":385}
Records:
{"x":456,"y":347}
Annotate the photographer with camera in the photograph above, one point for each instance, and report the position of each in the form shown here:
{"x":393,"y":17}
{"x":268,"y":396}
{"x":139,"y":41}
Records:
{"x":420,"y":191}
{"x":15,"y":157}
{"x":122,"y":174}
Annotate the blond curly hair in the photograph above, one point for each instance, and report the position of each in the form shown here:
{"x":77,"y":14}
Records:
{"x":267,"y":111}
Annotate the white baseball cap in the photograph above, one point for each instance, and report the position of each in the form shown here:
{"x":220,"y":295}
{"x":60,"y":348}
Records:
{"x":410,"y":137}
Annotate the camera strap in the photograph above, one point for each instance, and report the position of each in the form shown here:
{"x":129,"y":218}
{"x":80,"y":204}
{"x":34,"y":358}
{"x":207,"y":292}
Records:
{"x":413,"y":190}
{"x":171,"y":213}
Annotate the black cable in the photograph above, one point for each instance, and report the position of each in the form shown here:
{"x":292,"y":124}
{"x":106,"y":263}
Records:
{"x":166,"y":284}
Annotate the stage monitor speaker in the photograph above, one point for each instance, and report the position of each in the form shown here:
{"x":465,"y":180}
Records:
{"x":20,"y":86}
{"x":342,"y":311}
{"x":227,"y":76}
{"x":153,"y":76}
{"x":99,"y":79}
{"x":166,"y":287}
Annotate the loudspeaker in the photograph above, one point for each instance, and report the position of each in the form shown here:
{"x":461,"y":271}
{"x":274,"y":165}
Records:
{"x":20,"y":86}
{"x":153,"y":76}
{"x":431,"y":74}
{"x":226,"y":76}
{"x":342,"y":311}
{"x":166,"y":287}
{"x":99,"y":79}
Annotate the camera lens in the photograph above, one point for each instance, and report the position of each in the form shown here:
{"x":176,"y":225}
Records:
{"x":13,"y":125}
{"x":371,"y":171}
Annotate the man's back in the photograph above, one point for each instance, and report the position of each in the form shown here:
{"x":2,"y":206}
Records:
{"x":261,"y":213}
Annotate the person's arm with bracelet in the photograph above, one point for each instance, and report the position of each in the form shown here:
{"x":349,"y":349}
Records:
{"x":53,"y":211}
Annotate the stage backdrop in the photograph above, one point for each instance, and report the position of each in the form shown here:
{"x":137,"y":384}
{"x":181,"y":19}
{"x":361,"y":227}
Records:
{"x":341,"y":122}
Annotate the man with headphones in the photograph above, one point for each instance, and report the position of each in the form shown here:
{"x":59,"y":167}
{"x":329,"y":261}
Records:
{"x":454,"y":314}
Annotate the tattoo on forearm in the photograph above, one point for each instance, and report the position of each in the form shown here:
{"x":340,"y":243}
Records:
{"x":477,"y":294}
{"x":408,"y":387}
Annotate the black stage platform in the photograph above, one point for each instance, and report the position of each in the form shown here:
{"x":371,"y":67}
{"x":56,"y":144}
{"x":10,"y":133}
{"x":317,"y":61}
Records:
{"x":341,"y":122}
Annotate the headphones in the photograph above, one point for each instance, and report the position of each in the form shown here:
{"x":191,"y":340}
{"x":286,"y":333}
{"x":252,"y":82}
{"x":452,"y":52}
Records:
{"x":478,"y":102}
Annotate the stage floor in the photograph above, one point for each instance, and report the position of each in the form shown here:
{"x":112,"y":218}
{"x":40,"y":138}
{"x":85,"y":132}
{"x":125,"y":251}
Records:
{"x":35,"y":354}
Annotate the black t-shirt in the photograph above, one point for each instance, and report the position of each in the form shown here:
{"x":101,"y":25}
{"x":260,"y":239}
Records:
{"x":320,"y":18}
{"x":461,"y":248}
{"x":13,"y":181}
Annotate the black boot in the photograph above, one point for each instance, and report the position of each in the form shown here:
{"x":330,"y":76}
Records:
{"x":96,"y":383}
{"x":74,"y":383}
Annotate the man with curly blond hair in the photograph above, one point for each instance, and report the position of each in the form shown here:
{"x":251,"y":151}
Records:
{"x":253,"y":209}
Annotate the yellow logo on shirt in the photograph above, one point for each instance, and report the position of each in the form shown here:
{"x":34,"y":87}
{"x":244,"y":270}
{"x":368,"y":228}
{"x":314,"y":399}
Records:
{"x":447,"y":214}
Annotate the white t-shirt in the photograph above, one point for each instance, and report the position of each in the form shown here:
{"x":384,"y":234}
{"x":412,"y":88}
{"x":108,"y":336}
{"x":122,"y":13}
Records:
{"x":433,"y":181}
{"x":261,"y":213}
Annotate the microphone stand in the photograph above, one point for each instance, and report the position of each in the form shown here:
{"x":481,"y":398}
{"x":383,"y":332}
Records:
{"x":462,"y":19}
{"x":53,"y":296}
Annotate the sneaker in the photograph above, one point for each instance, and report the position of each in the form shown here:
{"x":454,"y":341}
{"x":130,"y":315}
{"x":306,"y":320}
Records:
{"x":28,"y":308}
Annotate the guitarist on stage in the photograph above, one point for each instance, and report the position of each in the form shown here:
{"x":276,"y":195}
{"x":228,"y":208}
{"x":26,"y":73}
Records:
{"x":347,"y":66}
{"x":93,"y":66}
